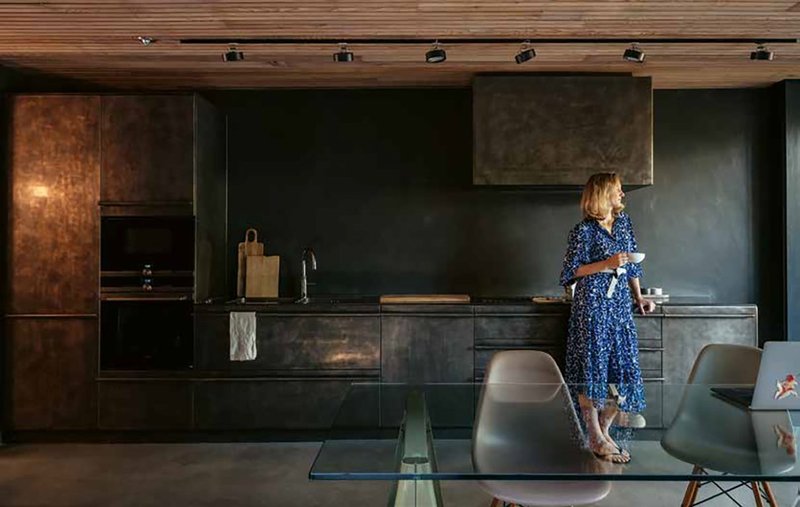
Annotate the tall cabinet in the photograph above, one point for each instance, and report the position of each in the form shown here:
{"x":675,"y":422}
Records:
{"x":52,"y":262}
{"x":71,"y":159}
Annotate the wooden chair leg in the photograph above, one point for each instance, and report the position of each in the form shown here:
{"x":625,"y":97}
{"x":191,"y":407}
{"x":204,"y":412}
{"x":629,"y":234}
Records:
{"x":691,"y":489}
{"x":756,"y":494}
{"x":773,"y":502}
{"x":687,"y":496}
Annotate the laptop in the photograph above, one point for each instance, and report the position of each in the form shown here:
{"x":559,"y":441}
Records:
{"x":778,"y":383}
{"x":775,"y":441}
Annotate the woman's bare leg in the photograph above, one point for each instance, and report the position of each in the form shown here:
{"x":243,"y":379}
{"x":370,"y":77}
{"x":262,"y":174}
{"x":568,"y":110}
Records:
{"x":598,"y":442}
{"x":606,"y":418}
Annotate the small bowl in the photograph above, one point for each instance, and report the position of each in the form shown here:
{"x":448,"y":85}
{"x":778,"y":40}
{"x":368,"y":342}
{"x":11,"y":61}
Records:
{"x":635,"y":257}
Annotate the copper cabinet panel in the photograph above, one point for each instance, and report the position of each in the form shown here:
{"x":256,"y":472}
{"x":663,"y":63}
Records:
{"x":53,"y":254}
{"x":52,"y":364}
{"x":147,"y":146}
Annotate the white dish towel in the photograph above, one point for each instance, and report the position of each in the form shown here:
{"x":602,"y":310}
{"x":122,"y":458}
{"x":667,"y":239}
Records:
{"x":243,"y":336}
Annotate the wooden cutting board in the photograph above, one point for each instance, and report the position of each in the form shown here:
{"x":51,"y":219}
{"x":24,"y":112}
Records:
{"x":424,"y":298}
{"x":247,"y":248}
{"x":262,"y":276}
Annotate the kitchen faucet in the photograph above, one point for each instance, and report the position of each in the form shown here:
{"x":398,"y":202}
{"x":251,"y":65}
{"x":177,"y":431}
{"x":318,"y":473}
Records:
{"x":308,"y":255}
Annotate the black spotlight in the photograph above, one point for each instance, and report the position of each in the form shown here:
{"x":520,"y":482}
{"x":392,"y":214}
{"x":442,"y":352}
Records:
{"x":525,"y":53}
{"x":343,"y":55}
{"x":436,"y":55}
{"x":633,"y":54}
{"x":762,"y":53}
{"x":233,"y":55}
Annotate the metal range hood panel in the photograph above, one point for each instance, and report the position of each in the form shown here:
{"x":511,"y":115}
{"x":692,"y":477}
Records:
{"x":555,"y":131}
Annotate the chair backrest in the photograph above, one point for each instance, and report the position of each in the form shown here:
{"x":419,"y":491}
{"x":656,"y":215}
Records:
{"x":523,"y":367}
{"x":722,"y":363}
{"x":525,"y":414}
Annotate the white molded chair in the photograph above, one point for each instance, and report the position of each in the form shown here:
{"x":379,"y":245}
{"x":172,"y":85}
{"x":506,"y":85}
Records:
{"x":525,"y":426}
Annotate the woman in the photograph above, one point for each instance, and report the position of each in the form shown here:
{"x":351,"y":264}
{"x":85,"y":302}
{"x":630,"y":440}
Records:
{"x":602,"y":344}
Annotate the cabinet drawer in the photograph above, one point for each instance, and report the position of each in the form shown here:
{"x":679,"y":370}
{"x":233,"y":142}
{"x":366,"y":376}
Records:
{"x":516,"y":329}
{"x":650,"y":359}
{"x":426,"y":349}
{"x":144,"y":405}
{"x":270,"y":404}
{"x":303,"y":342}
{"x":648,"y":329}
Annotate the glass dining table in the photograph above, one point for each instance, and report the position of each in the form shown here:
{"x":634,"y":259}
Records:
{"x":418,"y":435}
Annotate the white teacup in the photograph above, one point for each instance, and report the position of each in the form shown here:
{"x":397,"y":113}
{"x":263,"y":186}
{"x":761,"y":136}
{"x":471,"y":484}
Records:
{"x":635,"y":257}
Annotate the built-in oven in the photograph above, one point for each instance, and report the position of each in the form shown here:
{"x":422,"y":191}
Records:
{"x":154,"y":333}
{"x":146,"y":292}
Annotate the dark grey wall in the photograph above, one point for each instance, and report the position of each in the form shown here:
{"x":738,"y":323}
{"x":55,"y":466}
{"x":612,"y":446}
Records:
{"x":378,"y":182}
{"x":790,"y":92}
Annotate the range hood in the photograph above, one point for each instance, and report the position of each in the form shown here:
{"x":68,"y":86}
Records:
{"x":556,"y":131}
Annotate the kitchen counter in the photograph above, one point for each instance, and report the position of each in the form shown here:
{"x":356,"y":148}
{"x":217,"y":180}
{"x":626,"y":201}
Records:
{"x":369,"y":304}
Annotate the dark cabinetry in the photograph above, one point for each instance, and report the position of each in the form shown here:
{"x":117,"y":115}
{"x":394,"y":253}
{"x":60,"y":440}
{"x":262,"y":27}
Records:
{"x":518,"y":330}
{"x":268,"y":403}
{"x":545,"y":329}
{"x":52,"y":363}
{"x":427,"y":346}
{"x":145,"y":404}
{"x":54,"y":223}
{"x":147,"y":148}
{"x":302,"y":343}
{"x":688,"y":329}
{"x":52,"y":261}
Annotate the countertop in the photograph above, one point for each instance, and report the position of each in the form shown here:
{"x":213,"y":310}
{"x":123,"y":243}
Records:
{"x":479,"y":305}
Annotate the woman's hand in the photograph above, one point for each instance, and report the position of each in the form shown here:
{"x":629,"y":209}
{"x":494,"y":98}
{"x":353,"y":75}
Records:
{"x":617,"y":260}
{"x":645,"y":305}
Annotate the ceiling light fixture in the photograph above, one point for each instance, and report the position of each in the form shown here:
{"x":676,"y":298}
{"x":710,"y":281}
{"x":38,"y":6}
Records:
{"x":145,"y":40}
{"x":436,"y":55}
{"x":634,"y":54}
{"x":762,"y":53}
{"x":233,"y":54}
{"x":343,"y":55}
{"x":525,"y":53}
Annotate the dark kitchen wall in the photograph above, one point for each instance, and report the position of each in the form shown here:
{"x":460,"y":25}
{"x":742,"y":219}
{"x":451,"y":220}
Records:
{"x":378,"y":182}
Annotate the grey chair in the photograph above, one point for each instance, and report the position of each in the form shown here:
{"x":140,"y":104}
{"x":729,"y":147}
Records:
{"x":692,"y":439}
{"x":526,"y":422}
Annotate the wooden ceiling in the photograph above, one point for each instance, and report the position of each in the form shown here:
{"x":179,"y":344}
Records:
{"x":96,"y":41}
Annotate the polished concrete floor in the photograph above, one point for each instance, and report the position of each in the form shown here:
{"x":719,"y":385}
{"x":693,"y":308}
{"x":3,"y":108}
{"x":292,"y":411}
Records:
{"x":235,"y":474}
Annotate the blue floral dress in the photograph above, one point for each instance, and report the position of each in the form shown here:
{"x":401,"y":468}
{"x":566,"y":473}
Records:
{"x":602,"y":344}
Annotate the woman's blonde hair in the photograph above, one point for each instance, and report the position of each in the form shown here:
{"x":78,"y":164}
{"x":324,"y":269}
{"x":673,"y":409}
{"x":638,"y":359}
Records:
{"x":596,"y":198}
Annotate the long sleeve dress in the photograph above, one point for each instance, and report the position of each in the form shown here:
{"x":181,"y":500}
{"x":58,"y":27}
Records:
{"x":602,"y":343}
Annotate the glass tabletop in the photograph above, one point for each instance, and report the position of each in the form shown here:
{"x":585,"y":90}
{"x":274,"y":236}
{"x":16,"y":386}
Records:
{"x":402,"y":432}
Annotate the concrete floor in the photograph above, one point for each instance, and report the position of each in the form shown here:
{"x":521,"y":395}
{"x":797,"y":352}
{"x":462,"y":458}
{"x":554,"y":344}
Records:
{"x":235,"y":474}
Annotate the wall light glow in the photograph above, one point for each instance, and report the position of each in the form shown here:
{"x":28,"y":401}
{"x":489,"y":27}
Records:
{"x":40,"y":191}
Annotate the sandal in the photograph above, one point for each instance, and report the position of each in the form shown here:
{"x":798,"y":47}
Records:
{"x":618,"y":458}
